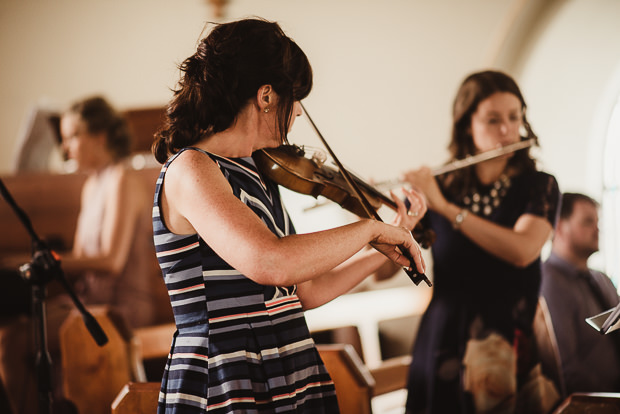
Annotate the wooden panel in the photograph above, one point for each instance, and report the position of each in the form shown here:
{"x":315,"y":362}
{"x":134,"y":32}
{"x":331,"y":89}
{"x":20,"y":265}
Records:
{"x":137,"y":398}
{"x":547,"y":346}
{"x":154,"y":341}
{"x":92,"y":374}
{"x":51,"y":201}
{"x":143,"y":124}
{"x":340,"y":335}
{"x":391,"y":375}
{"x":355,"y":384}
{"x":352,"y":379}
{"x":600,"y":403}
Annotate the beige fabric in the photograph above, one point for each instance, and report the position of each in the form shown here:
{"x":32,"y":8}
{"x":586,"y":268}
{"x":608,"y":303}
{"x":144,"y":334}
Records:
{"x":132,"y":291}
{"x":490,"y":376}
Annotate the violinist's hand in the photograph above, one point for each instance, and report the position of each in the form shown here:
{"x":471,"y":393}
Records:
{"x":417,"y":209}
{"x":392,"y":239}
{"x":423,"y":181}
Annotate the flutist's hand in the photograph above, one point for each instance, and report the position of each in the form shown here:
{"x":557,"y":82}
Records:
{"x":423,"y":181}
{"x":409,"y":218}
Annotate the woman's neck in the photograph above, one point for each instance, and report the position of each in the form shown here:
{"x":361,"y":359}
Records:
{"x":490,"y":171}
{"x":237,"y":141}
{"x":225,"y":145}
{"x":101,"y":165}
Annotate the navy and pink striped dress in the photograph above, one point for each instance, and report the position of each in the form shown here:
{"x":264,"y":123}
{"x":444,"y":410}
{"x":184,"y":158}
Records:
{"x":240,"y":347}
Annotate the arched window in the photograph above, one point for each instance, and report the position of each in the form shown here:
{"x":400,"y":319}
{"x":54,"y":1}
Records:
{"x":610,"y":209}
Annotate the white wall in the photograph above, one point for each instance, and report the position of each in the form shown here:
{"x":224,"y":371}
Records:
{"x":385,"y":71}
{"x":54,"y":52}
{"x":571,"y":78}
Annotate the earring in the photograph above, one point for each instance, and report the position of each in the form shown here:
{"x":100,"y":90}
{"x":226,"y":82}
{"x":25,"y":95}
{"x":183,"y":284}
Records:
{"x":266,"y":110}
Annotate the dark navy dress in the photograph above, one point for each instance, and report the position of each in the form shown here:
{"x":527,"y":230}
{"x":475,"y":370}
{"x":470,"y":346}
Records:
{"x":475,"y":295}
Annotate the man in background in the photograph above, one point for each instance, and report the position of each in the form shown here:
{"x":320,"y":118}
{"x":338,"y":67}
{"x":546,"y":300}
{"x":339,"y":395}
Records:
{"x":590,"y":361}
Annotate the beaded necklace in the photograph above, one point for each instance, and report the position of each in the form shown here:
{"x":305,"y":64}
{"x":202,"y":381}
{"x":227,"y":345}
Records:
{"x":485,"y":201}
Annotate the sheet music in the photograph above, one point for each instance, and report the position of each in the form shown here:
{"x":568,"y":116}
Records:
{"x":607,"y":321}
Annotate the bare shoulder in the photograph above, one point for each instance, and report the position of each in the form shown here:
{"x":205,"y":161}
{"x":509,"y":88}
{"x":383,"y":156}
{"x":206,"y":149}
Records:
{"x":193,"y":169}
{"x":130,"y":188}
{"x":193,"y":188}
{"x":126,"y":179}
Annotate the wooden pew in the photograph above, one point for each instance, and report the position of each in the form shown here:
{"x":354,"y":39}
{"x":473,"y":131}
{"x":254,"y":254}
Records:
{"x":92,"y":375}
{"x":52,"y":203}
{"x":603,"y":403}
{"x":143,"y":124}
{"x":547,"y":346}
{"x":391,"y":375}
{"x":137,"y":398}
{"x":154,"y":342}
{"x":356,"y":385}
{"x":354,"y":382}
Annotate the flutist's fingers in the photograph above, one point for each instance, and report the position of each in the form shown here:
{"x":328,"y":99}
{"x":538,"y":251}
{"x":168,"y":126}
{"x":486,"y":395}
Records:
{"x":423,"y":181}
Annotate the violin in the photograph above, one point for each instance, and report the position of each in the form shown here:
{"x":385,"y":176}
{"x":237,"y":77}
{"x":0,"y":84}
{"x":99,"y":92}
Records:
{"x":290,"y":167}
{"x":272,"y":166}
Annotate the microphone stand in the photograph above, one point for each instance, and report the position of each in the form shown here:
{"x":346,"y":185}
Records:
{"x":45,"y":267}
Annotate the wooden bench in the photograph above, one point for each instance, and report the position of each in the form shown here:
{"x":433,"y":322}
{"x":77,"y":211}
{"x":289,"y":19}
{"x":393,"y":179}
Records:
{"x":547,"y":347}
{"x":92,"y":374}
{"x":355,"y":383}
{"x":578,"y":403}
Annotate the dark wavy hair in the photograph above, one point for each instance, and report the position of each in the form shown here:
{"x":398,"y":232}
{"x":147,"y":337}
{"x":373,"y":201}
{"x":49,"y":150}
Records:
{"x":476,"y":88}
{"x":228,"y":68}
{"x":100,"y":116}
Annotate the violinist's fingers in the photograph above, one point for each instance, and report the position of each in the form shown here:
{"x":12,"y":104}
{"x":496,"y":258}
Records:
{"x":420,"y":263}
{"x":395,"y":255}
{"x":416,"y":255}
{"x":394,"y":252}
{"x":391,"y":252}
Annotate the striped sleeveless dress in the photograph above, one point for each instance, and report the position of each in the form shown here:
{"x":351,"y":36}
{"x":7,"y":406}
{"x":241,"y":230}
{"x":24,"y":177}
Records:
{"x":239,"y":347}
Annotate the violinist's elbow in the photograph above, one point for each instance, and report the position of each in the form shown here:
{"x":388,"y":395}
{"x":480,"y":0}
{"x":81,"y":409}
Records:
{"x":268,"y":271}
{"x":277,"y":277}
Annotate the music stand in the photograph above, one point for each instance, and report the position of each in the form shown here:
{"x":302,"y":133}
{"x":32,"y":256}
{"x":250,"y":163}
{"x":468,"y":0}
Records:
{"x":45,"y":267}
{"x":607,"y":321}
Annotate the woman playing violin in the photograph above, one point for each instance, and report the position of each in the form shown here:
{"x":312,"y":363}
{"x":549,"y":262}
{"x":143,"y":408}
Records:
{"x":491,"y":220}
{"x":238,"y":276}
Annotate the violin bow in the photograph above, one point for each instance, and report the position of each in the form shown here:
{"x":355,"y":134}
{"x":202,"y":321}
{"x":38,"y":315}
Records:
{"x":415,"y":276}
